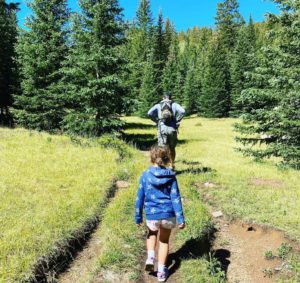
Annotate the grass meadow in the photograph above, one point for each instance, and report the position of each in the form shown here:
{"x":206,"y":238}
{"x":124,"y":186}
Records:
{"x":49,"y":186}
{"x":123,"y":244}
{"x":241,"y":187}
{"x":252,"y":190}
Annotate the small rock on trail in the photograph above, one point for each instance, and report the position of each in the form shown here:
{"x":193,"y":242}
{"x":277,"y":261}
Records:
{"x":122,"y":184}
{"x":217,"y":214}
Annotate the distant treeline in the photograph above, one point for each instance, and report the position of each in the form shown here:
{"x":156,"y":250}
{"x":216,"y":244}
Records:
{"x":78,"y":72}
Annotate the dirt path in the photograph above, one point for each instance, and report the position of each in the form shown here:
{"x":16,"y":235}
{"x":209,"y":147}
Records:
{"x":241,"y":249}
{"x":82,"y":265}
{"x":81,"y":268}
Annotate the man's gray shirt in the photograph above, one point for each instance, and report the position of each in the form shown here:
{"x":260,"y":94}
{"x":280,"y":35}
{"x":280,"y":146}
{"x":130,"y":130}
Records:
{"x":178,"y":113}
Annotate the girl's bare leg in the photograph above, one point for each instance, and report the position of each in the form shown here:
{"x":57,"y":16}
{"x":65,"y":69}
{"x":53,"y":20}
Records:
{"x":163,"y":250}
{"x":151,"y":243}
{"x":151,"y":240}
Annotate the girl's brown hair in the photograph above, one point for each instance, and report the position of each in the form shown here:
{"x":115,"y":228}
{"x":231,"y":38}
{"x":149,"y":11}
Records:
{"x":160,"y":155}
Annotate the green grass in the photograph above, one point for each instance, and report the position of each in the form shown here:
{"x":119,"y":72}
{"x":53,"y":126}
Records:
{"x":124,"y":244}
{"x":49,"y":186}
{"x":122,"y":240}
{"x":241,"y":187}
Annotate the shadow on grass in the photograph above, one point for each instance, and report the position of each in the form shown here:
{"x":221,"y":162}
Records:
{"x":195,"y":171}
{"x":138,"y":126}
{"x":143,"y":141}
{"x":222,"y":255}
{"x":191,"y":249}
{"x":197,"y":248}
{"x":191,"y":163}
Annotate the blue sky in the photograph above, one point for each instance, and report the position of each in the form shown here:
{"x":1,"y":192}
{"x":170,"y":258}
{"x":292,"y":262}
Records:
{"x":184,"y":13}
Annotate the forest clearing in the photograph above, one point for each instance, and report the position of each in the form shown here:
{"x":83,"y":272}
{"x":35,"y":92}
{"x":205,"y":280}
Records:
{"x":145,"y":141}
{"x":210,"y":173}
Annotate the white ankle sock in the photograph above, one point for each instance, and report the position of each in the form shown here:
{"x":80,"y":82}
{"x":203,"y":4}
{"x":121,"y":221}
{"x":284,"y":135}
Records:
{"x":160,"y":267}
{"x":151,"y":254}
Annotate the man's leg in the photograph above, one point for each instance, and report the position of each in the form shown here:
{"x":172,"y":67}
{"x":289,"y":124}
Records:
{"x":161,"y":137}
{"x":173,"y":156}
{"x":172,"y":142}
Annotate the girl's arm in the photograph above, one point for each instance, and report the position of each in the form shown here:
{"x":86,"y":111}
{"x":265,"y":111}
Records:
{"x":139,"y":204}
{"x":176,"y":202}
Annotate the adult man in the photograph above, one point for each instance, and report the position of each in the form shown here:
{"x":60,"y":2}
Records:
{"x":167,"y":114}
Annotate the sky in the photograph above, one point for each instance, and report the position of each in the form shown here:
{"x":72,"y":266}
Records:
{"x":183,"y":13}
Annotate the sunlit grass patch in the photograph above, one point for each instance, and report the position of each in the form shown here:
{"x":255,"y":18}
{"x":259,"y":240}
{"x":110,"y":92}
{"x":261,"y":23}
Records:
{"x":49,"y":186}
{"x":244,"y":188}
{"x":123,"y":244}
{"x":241,"y":187}
{"x":193,"y":242}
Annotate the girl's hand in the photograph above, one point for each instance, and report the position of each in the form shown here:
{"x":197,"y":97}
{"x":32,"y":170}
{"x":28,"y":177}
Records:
{"x":181,"y":226}
{"x":140,"y":224}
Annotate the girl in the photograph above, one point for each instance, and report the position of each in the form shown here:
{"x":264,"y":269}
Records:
{"x":158,"y":192}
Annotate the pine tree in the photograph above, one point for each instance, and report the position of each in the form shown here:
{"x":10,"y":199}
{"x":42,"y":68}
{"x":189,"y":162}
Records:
{"x":94,"y":69}
{"x":138,"y":49}
{"x":205,"y":36}
{"x":41,"y":51}
{"x":272,"y":104}
{"x":159,"y":54}
{"x":169,"y":30}
{"x":215,"y":100}
{"x":178,"y":94}
{"x":148,"y":92}
{"x":144,"y":23}
{"x":144,"y":16}
{"x":8,"y":68}
{"x":228,"y":22}
{"x":242,"y":62}
{"x":171,"y":68}
{"x":182,"y":69}
{"x":190,"y":91}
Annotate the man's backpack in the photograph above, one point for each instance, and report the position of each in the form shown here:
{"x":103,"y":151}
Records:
{"x":166,"y":111}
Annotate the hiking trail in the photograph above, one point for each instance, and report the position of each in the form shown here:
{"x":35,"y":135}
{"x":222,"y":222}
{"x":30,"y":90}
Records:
{"x":84,"y":261}
{"x":240,"y":248}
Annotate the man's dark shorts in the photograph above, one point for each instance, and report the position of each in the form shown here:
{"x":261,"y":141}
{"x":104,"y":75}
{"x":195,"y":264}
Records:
{"x":167,"y":136}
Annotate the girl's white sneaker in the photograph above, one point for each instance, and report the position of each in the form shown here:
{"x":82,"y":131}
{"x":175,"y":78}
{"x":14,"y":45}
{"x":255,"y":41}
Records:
{"x":149,"y":266}
{"x":163,"y":276}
